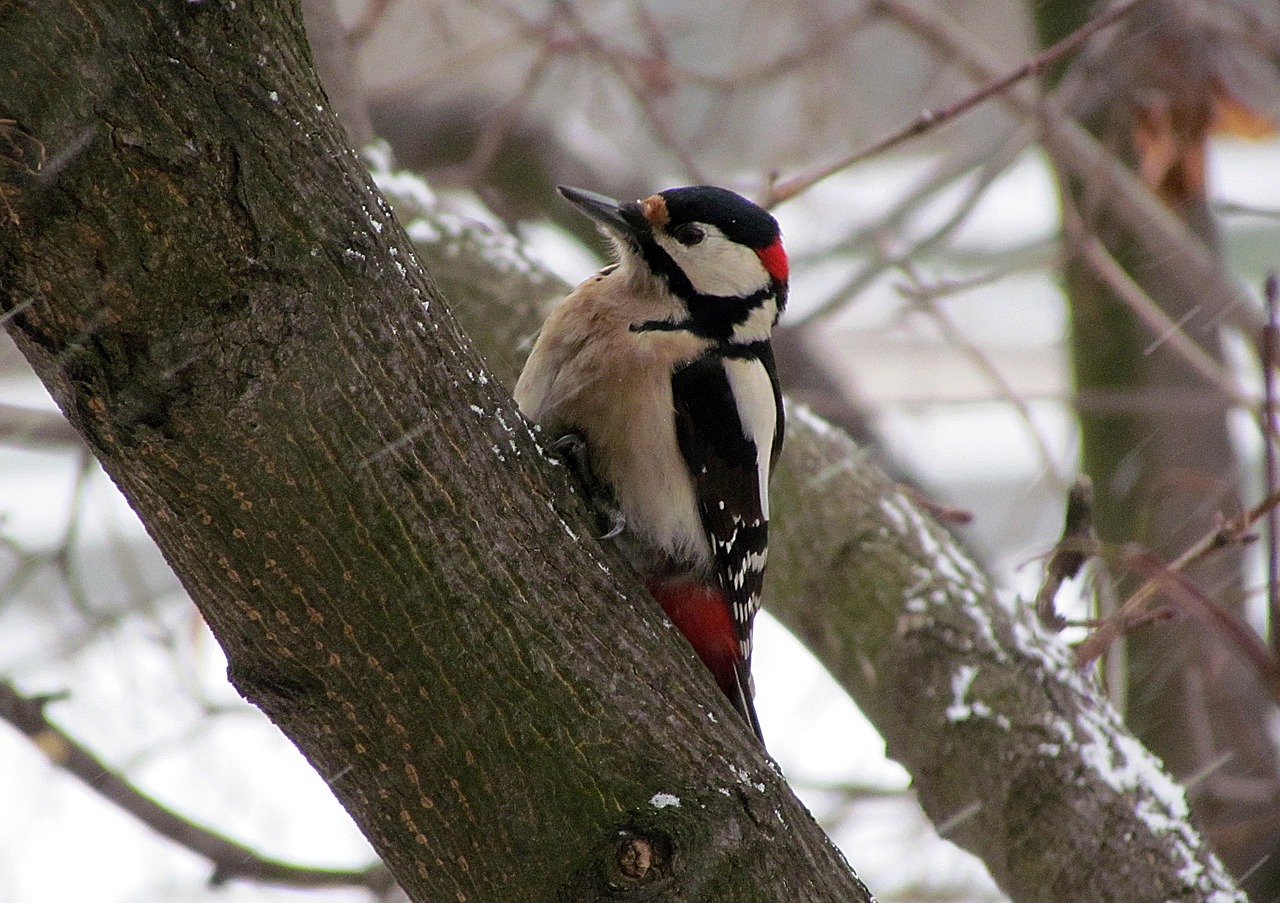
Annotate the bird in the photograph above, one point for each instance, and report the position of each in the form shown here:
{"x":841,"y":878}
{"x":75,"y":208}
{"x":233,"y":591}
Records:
{"x":655,"y":381}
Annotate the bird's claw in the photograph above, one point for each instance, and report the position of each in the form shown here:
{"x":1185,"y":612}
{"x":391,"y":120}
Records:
{"x":571,"y":448}
{"x":615,"y":521}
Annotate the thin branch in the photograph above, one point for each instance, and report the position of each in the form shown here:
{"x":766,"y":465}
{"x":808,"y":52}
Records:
{"x":1229,"y":533}
{"x":1270,"y":338}
{"x":496,"y":46}
{"x":1164,"y":236}
{"x":954,"y":336}
{"x":31,"y":428}
{"x":637,"y":85}
{"x":368,"y":21}
{"x":1193,"y":599}
{"x":499,"y":126}
{"x":1167,"y":331}
{"x":1234,"y":208}
{"x":231,"y":860}
{"x":854,"y":791}
{"x":930,"y":119}
{"x":989,"y":167}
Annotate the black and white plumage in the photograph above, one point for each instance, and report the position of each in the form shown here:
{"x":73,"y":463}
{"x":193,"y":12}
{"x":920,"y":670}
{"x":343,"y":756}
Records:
{"x":661,"y":365}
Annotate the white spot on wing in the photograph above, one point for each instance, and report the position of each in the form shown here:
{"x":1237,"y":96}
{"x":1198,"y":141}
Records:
{"x":752,"y":563}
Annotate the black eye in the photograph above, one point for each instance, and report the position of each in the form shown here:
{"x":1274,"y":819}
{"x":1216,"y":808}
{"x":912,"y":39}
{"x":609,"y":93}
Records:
{"x":688,"y":234}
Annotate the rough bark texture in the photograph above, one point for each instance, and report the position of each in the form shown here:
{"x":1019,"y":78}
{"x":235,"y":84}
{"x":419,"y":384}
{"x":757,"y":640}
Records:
{"x":222,"y":305}
{"x":1007,"y":744}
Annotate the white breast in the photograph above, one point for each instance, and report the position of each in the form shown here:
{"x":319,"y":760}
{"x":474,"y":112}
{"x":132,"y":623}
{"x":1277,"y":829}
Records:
{"x":634,"y":440}
{"x":590,"y":372}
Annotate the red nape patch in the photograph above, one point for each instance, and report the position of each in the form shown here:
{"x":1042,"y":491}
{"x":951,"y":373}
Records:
{"x":702,"y":614}
{"x":774,"y":260}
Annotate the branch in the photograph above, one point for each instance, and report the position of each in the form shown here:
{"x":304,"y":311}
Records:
{"x":983,"y":707}
{"x":231,"y":861}
{"x":1190,"y":597}
{"x":1164,"y":237}
{"x":931,"y":119}
{"x":30,"y":428}
{"x":1269,"y":358}
{"x":1165,"y":330}
{"x":954,"y":336}
{"x":1227,"y":534}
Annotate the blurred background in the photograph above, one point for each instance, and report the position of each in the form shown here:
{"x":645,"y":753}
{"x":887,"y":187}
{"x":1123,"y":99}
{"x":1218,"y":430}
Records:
{"x":1066,"y":278}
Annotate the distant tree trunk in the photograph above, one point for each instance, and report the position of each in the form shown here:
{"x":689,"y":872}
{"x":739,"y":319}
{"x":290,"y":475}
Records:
{"x":1155,"y":435}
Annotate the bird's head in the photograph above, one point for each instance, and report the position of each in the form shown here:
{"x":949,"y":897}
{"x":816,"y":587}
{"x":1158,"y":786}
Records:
{"x":715,"y":250}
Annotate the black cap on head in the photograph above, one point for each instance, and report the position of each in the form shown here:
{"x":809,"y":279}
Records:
{"x":731,"y":213}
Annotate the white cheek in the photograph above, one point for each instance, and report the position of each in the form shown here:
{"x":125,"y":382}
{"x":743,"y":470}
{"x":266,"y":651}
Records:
{"x":718,"y":266}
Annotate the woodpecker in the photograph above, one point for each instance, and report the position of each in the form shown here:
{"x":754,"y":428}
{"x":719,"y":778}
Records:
{"x":656,"y":380}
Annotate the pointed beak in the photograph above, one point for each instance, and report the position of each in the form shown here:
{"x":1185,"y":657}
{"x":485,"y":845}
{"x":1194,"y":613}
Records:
{"x":605,"y":211}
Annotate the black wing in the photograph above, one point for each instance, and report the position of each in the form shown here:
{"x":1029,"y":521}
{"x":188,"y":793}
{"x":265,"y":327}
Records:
{"x":723,"y":448}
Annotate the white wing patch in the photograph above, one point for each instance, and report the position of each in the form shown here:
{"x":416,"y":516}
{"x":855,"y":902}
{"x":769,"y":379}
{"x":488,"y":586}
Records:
{"x":758,"y":413}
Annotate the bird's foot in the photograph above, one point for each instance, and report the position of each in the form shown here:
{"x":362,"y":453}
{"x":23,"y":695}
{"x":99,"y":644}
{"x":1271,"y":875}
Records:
{"x":571,"y":448}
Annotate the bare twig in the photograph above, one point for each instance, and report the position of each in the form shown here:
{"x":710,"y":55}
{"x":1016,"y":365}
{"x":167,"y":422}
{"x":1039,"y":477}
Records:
{"x":32,"y":428}
{"x":231,"y":860}
{"x":368,"y":21}
{"x":1235,"y":208}
{"x":954,"y":336}
{"x":883,"y":257}
{"x":640,"y":87}
{"x":1270,"y":338}
{"x":952,"y":515}
{"x":1166,"y":331}
{"x":1164,"y":236}
{"x":1193,"y":599}
{"x":1226,"y":534}
{"x":929,"y":119}
{"x":826,"y":40}
{"x":499,"y":126}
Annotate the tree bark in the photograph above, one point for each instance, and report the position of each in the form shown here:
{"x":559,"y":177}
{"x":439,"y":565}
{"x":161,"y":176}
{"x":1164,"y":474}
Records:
{"x":220,"y":302}
{"x":1011,"y":751}
{"x":223,"y":306}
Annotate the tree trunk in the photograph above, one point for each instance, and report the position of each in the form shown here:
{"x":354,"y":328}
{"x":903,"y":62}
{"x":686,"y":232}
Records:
{"x":223,"y":306}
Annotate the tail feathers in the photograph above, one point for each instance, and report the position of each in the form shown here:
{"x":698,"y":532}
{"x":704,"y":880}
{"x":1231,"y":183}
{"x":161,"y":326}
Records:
{"x":701,"y":612}
{"x":740,"y":693}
